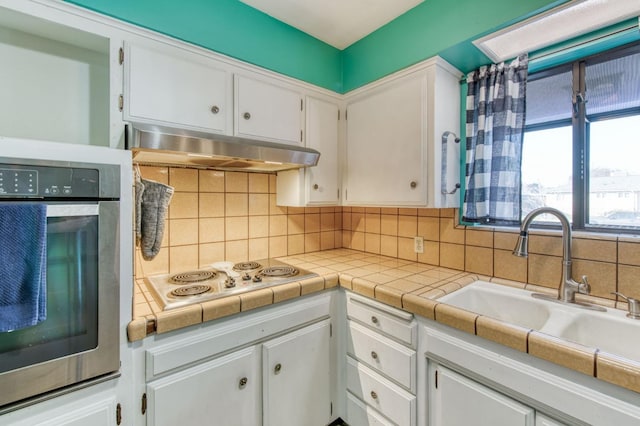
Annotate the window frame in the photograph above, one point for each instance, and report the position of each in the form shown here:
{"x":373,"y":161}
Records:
{"x":580,"y":123}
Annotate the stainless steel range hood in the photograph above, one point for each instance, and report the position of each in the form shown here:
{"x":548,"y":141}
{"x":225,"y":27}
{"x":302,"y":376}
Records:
{"x":159,"y":145}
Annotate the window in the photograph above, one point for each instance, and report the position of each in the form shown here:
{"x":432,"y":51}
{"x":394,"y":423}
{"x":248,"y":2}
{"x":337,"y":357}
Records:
{"x":581,"y":147}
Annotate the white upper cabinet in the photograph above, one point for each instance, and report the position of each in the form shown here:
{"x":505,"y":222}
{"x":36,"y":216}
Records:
{"x":169,"y":86}
{"x":267,"y":111}
{"x":394,"y":131}
{"x":319,"y":185}
{"x":322,"y":135}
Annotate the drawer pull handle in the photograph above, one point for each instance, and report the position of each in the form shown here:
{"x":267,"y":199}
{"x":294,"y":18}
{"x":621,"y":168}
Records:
{"x":277,"y":368}
{"x":374,"y":395}
{"x":374,"y":319}
{"x":243,"y":382}
{"x":374,"y":355}
{"x":246,"y":116}
{"x":215,"y":109}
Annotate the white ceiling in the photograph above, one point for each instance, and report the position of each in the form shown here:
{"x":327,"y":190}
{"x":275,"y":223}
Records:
{"x":339,"y":23}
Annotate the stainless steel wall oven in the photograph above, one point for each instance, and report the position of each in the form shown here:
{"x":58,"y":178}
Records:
{"x":79,"y":339}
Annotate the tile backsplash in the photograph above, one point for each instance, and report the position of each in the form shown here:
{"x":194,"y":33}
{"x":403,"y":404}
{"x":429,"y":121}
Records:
{"x":216,"y":215}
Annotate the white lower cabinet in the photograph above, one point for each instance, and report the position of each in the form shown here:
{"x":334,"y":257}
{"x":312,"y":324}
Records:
{"x":226,"y":389}
{"x":542,"y":420}
{"x":95,"y":411}
{"x":360,"y":413}
{"x":473,"y":381}
{"x":455,"y":400}
{"x":297,"y":377}
{"x":385,"y":396}
{"x":381,"y":377}
{"x":272,"y":367}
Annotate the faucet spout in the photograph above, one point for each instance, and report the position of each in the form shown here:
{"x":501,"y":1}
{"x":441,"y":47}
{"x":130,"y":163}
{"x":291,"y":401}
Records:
{"x":568,"y":287}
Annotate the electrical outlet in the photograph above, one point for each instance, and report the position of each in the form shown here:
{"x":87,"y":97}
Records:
{"x":418,"y":244}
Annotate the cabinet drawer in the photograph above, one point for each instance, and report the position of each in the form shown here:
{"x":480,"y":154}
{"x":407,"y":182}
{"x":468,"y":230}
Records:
{"x":360,"y":414}
{"x":382,"y":354}
{"x":392,"y":401}
{"x":396,"y":324}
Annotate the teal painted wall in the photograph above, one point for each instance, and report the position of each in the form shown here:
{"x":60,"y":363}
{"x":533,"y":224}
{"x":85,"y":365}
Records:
{"x":434,"y":27}
{"x":234,"y":29}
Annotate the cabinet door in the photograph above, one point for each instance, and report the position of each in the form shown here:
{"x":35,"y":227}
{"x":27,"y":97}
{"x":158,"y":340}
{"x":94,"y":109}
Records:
{"x":176,"y":90}
{"x":386,"y":145}
{"x":297,"y":377}
{"x":455,"y":400}
{"x":94,"y":411}
{"x":223,"y":391}
{"x":322,"y":135}
{"x":267,"y":111}
{"x":318,"y":185}
{"x":542,"y":420}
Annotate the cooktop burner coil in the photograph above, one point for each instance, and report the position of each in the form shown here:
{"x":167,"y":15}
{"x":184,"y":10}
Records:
{"x":279,"y":271}
{"x":246,"y":266}
{"x":192,"y":277}
{"x":190,"y":290}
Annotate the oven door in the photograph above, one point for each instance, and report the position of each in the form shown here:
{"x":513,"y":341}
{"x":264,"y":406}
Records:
{"x":79,"y":340}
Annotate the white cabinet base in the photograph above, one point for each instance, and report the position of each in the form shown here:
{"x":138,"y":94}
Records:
{"x":296,"y":374}
{"x":454,"y":400}
{"x":226,"y":389}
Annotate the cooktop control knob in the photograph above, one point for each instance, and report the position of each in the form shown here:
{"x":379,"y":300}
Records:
{"x":246,"y":277}
{"x":230,"y":282}
{"x":257,"y":279}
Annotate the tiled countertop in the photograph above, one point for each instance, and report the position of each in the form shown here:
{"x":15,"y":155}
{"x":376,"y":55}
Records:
{"x":413,"y":287}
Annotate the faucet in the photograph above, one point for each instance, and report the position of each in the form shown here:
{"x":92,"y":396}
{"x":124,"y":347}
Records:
{"x":568,"y":287}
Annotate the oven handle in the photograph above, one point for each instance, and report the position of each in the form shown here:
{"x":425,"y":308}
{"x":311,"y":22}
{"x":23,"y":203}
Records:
{"x":66,"y":210}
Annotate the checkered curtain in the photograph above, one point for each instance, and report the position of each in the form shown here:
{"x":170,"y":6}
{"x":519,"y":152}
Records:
{"x":495,"y":125}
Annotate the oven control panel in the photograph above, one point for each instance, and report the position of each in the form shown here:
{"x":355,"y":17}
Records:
{"x":26,"y":181}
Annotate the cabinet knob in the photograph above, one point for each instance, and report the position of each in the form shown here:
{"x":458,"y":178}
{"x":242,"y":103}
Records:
{"x":246,"y":116}
{"x":374,"y":395}
{"x":413,"y":184}
{"x":243,"y":382}
{"x":316,"y":186}
{"x":374,"y":319}
{"x":374,"y":355}
{"x":277,"y":368}
{"x":215,"y":109}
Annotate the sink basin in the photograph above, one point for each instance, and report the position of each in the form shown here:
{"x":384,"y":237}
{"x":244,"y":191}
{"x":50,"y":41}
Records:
{"x":507,"y":304}
{"x":610,"y":331}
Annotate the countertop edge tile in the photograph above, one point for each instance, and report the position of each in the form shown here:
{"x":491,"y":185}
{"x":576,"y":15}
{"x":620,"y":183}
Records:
{"x":311,"y":285}
{"x":389,"y":295}
{"x":256,"y":299}
{"x":558,"y":351}
{"x":364,"y":287}
{"x":175,"y":319}
{"x":506,"y":334}
{"x":286,"y":291}
{"x":456,"y":317}
{"x":218,"y":308}
{"x":419,"y":305}
{"x":618,"y":371}
{"x":137,"y":329}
